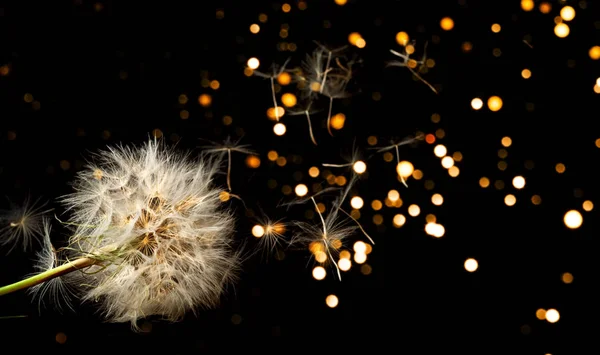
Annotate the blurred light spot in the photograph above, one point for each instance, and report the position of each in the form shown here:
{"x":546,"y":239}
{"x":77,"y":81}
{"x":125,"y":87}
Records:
{"x":279,"y":129}
{"x":402,"y":38}
{"x":440,"y":151}
{"x":536,"y":199}
{"x":414,"y":210}
{"x":552,"y":315}
{"x":506,"y":142}
{"x":573,"y":219}
{"x":360,"y":258}
{"x":204,"y":100}
{"x":447,"y":24}
{"x":313,"y":172}
{"x":332,"y":301}
{"x":284,"y":78}
{"x":319,"y":273}
{"x":494,"y":103}
{"x":496,"y":28}
{"x":594,"y":53}
{"x":567,"y":13}
{"x":357,"y":203}
{"x":560,"y":168}
{"x":561,"y":30}
{"x":399,"y":220}
{"x":301,"y":190}
{"x":258,"y":231}
{"x":540,"y":314}
{"x":518,"y":182}
{"x":337,"y":121}
{"x":476,"y":103}
{"x":588,"y":206}
{"x":454,"y":171}
{"x":526,"y":73}
{"x":435,"y":230}
{"x":527,"y":5}
{"x":405,"y":169}
{"x":359,"y":167}
{"x":471,"y":265}
{"x":567,"y":277}
{"x":437,"y":199}
{"x":252,"y":161}
{"x":344,"y":264}
{"x":510,"y":200}
{"x":447,"y":162}
{"x":254,"y":28}
{"x":288,"y":99}
{"x":253,"y":63}
{"x":484,"y":182}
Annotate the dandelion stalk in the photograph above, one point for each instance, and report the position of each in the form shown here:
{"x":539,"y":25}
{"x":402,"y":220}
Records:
{"x":47,"y":275}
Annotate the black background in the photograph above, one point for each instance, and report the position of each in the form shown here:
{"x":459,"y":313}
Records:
{"x":419,"y":299}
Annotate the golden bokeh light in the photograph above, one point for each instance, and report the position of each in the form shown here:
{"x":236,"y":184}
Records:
{"x":510,"y":200}
{"x":414,"y":210}
{"x":289,"y":100}
{"x":560,"y":168}
{"x":399,"y":220}
{"x":313,"y":172}
{"x":540,"y":314}
{"x":301,"y":190}
{"x":254,"y":28}
{"x":258,"y":231}
{"x":471,"y":265}
{"x":567,"y":13}
{"x":344,"y":264}
{"x":447,"y":24}
{"x":440,"y":151}
{"x":337,"y":121}
{"x":561,"y":30}
{"x":279,"y":129}
{"x":447,"y":162}
{"x":253,"y":63}
{"x":393,"y":195}
{"x":476,"y":103}
{"x":205,"y":100}
{"x":435,"y":230}
{"x":496,"y":28}
{"x":252,"y":161}
{"x":405,"y":169}
{"x":359,"y":167}
{"x":494,"y":103}
{"x":588,"y":206}
{"x":526,"y":73}
{"x":332,"y":301}
{"x":527,"y":5}
{"x":552,"y":315}
{"x":437,"y":199}
{"x":573,"y":219}
{"x":454,"y":171}
{"x":518,"y":182}
{"x":594,"y":53}
{"x":357,"y":202}
{"x":566,"y":277}
{"x":360,"y":258}
{"x":319,"y":272}
{"x":402,"y":38}
{"x":506,"y":142}
{"x":484,"y":182}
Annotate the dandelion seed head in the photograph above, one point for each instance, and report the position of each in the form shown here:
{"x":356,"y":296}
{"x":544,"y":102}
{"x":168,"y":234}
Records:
{"x":156,"y":224}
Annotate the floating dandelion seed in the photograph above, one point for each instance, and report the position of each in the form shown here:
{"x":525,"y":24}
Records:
{"x":57,"y":291}
{"x":320,"y":77}
{"x":409,"y":64}
{"x":307,"y":112}
{"x":150,"y":237}
{"x":272,"y":235}
{"x":277,"y":71}
{"x":395,"y":146}
{"x":21,"y":224}
{"x":329,"y":236}
{"x":227,"y":147}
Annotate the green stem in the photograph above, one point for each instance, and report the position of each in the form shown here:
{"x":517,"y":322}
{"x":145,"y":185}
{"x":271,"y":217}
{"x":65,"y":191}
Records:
{"x":47,"y":275}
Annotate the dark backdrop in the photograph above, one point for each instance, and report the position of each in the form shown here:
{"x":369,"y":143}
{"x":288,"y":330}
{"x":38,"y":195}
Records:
{"x":109,"y":72}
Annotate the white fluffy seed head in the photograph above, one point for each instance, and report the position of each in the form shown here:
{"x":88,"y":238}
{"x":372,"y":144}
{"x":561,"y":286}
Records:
{"x":154,"y":221}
